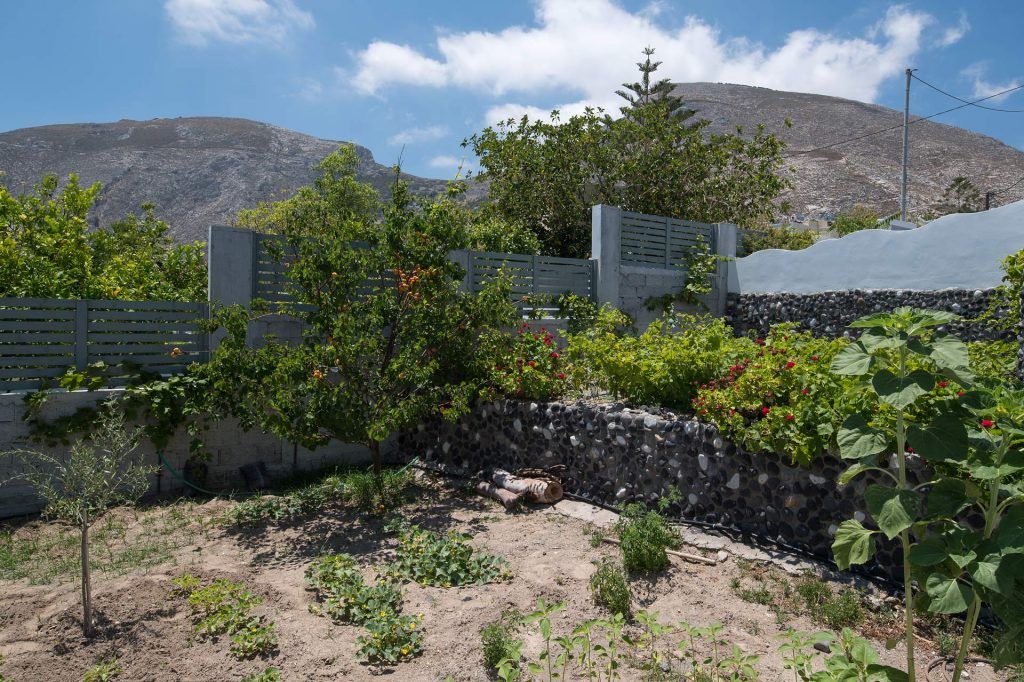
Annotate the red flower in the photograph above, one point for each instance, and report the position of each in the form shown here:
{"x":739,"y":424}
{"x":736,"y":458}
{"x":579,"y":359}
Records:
{"x":804,"y":391}
{"x":987,"y":423}
{"x":959,"y":394}
{"x":790,"y":417}
{"x":554,"y":355}
{"x":561,"y":375}
{"x":532,"y":363}
{"x":790,"y":365}
{"x":943,"y":383}
{"x":765,"y":410}
{"x":814,"y":358}
{"x":909,"y":449}
{"x":759,"y":342}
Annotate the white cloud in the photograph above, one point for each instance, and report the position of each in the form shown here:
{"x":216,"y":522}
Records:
{"x":953,"y":34}
{"x":200,"y":22}
{"x":450,"y":163}
{"x":984,"y":87}
{"x":588,"y":47}
{"x":418,"y":134}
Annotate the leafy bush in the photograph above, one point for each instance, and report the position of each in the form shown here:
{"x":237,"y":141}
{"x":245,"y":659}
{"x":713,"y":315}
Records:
{"x":103,"y":671}
{"x":224,"y":608}
{"x":271,"y":674}
{"x":856,"y":219}
{"x":343,"y":594}
{"x":498,"y":640}
{"x":390,"y":638}
{"x":610,"y":589}
{"x":528,"y":365}
{"x":365,"y":491}
{"x":644,"y":535}
{"x":836,"y":610}
{"x":662,"y":366}
{"x":786,"y":238}
{"x":447,"y":560}
{"x":993,"y":360}
{"x":780,"y":397}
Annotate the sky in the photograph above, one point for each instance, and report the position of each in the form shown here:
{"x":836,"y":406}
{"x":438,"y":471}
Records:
{"x":411,"y":79}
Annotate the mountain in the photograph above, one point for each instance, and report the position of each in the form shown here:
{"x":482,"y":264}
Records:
{"x":865,"y":171}
{"x":197,"y":171}
{"x":200,"y":171}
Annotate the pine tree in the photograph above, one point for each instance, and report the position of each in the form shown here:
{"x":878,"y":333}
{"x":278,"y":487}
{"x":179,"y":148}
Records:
{"x":961,"y":196}
{"x":642,"y":95}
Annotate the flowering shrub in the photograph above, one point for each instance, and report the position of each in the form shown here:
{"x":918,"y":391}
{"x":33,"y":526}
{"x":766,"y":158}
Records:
{"x":780,"y":397}
{"x":662,"y":366}
{"x":529,"y":365}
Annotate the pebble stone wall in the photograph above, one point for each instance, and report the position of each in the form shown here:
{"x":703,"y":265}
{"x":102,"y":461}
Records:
{"x":615,"y":455}
{"x":828,"y":313}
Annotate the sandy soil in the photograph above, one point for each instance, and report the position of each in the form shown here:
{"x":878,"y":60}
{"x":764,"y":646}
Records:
{"x":551,"y":555}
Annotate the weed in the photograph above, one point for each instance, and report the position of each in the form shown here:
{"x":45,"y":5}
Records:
{"x":390,"y":638}
{"x":254,"y":638}
{"x":104,"y":671}
{"x":271,"y":674}
{"x":224,"y":608}
{"x":344,"y":596}
{"x":3,"y":678}
{"x":366,"y":491}
{"x":643,"y":538}
{"x":610,"y":589}
{"x":447,"y":560}
{"x":498,"y":640}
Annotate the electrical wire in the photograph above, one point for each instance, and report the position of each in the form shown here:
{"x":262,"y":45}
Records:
{"x":1010,"y":186}
{"x":968,"y":102}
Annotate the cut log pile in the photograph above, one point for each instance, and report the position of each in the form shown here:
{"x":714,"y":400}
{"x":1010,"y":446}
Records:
{"x":511,"y":490}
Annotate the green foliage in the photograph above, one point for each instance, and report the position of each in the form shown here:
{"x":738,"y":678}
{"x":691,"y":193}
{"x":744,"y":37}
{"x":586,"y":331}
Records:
{"x":993,"y":361}
{"x":379,"y":494}
{"x":225,"y":608}
{"x":836,"y":610}
{"x":527,"y":365}
{"x":662,"y":366}
{"x":498,"y":640}
{"x":644,"y":535}
{"x":960,"y":196}
{"x":610,"y":588}
{"x":777,"y":237}
{"x":344,"y":596}
{"x":490,"y":232}
{"x":390,"y":639}
{"x":547,"y":174}
{"x":1004,"y":305}
{"x":446,"y":560}
{"x":271,"y":674}
{"x":858,"y":218}
{"x":48,"y":251}
{"x":104,"y":671}
{"x":700,"y":265}
{"x":779,"y":396}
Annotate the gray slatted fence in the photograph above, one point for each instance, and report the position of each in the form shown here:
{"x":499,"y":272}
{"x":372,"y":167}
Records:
{"x":658,"y":242}
{"x":533,"y":276}
{"x":40,"y":338}
{"x":269,"y":271}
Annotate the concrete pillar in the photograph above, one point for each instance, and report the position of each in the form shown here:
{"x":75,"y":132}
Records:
{"x":231,"y":255}
{"x":605,"y":251}
{"x":463,"y":257}
{"x":725,"y":240}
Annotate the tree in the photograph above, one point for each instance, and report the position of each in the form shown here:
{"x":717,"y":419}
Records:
{"x":960,"y":196}
{"x":93,"y":477}
{"x":389,"y":336}
{"x":48,"y":251}
{"x":653,"y":158}
{"x":858,"y":218}
{"x":777,"y":237}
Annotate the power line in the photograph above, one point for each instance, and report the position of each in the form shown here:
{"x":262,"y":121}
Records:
{"x":900,"y":125}
{"x":974,"y":104}
{"x":1010,"y":186}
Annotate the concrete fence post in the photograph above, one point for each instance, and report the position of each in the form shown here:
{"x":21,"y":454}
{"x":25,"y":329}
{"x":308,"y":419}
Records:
{"x":231,"y":258}
{"x":606,"y":251}
{"x":464,"y":257}
{"x":724,"y":237}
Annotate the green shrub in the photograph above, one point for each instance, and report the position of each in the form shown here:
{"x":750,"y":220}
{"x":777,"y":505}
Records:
{"x":224,"y":608}
{"x":836,"y":611}
{"x":993,"y":360}
{"x":644,"y":536}
{"x":390,"y":638}
{"x":781,"y":237}
{"x":103,"y":671}
{"x":343,"y":594}
{"x":365,"y":491}
{"x":254,"y":638}
{"x":610,"y":589}
{"x":662,"y":366}
{"x":498,"y":640}
{"x":447,"y":560}
{"x":271,"y":674}
{"x":527,"y":365}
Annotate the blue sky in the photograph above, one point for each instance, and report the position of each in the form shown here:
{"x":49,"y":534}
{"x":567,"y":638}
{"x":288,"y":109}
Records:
{"x":424,"y":75}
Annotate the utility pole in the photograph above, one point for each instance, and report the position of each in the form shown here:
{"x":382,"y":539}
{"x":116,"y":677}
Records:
{"x":989,"y":196}
{"x":906,"y":147}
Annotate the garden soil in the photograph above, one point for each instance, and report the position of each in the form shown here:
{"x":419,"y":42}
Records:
{"x":149,"y":631}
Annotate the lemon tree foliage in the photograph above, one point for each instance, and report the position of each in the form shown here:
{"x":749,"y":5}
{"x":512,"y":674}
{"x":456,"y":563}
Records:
{"x":973,"y":440}
{"x":48,"y":251}
{"x":654,"y":157}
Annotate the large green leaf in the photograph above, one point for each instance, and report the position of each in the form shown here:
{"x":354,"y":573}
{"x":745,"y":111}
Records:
{"x":992,"y":574}
{"x":875,"y":339}
{"x":943,"y":439}
{"x":854,"y":544}
{"x":947,"y":498}
{"x":901,"y":391}
{"x":854,"y":360}
{"x":858,"y":440}
{"x":885,"y":673}
{"x":875,"y":320}
{"x":948,"y":595}
{"x":1010,"y":536}
{"x":853,"y":472}
{"x":893,"y":510}
{"x":928,"y":552}
{"x":945,"y":350}
{"x":922,"y":319}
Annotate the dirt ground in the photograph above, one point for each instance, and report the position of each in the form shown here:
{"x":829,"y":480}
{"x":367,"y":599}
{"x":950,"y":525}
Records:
{"x":551,"y":555}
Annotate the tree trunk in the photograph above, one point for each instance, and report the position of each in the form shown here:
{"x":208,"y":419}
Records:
{"x":87,"y":628}
{"x":375,"y":453}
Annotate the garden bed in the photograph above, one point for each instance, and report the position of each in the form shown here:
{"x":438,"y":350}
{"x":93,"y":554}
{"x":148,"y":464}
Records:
{"x":551,"y":555}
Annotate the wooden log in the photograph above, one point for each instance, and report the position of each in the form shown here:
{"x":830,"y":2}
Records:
{"x":535,"y":490}
{"x":508,"y":499}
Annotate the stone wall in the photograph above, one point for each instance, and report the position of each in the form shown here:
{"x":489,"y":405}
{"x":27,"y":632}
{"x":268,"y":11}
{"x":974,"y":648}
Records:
{"x":231,"y":447}
{"x":828,"y":313}
{"x":615,"y":455}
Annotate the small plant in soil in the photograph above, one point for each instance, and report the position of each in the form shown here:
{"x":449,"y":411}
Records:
{"x":610,"y":588}
{"x":271,"y":674}
{"x":446,"y":560}
{"x":3,"y":678}
{"x":343,"y":594}
{"x":390,"y":638}
{"x":225,"y":608}
{"x":644,"y":535}
{"x":103,"y":671}
{"x":499,"y":642}
{"x":80,"y":487}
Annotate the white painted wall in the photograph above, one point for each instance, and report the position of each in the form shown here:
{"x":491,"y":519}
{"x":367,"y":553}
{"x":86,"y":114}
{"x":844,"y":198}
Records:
{"x":960,"y":251}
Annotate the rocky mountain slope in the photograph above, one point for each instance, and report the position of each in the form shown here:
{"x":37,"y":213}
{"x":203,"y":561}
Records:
{"x":865,"y":171}
{"x":197,"y":171}
{"x":200,"y":171}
